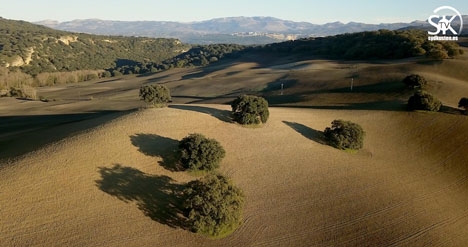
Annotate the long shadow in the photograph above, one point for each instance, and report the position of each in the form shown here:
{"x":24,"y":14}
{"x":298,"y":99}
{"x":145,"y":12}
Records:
{"x":391,"y":105}
{"x":23,"y":134}
{"x":309,"y":133}
{"x":451,"y":110}
{"x":159,"y":146}
{"x":159,"y":197}
{"x":222,"y":115}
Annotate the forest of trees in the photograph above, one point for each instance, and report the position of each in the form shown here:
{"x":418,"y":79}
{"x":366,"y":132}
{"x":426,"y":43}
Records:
{"x":381,"y":44}
{"x":38,"y":49}
{"x":200,"y":55}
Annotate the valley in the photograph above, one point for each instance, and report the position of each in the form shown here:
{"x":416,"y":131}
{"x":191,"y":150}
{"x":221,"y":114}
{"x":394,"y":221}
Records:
{"x":86,"y":166}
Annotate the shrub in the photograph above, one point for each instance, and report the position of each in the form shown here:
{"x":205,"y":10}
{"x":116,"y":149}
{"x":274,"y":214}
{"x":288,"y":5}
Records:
{"x":414,"y":81}
{"x":345,"y":135}
{"x":213,"y":206}
{"x":423,"y":100}
{"x":116,"y":73}
{"x":463,"y":103}
{"x":16,"y":92}
{"x":200,"y":153}
{"x":25,"y":92}
{"x":249,"y":109}
{"x":157,"y":95}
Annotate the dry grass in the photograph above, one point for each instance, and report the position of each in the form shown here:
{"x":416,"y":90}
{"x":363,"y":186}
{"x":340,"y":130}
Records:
{"x":404,"y":188}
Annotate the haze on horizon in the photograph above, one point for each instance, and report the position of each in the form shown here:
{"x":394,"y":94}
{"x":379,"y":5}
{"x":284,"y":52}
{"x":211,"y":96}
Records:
{"x":188,"y":11}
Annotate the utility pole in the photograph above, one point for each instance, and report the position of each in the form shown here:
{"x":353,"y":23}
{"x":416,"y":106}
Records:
{"x":352,"y":82}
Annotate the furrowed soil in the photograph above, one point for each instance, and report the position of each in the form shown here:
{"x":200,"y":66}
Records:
{"x":94,"y":167}
{"x":114,"y":185}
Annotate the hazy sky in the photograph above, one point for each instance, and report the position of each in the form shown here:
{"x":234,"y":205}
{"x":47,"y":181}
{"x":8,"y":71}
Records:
{"x":318,"y":12}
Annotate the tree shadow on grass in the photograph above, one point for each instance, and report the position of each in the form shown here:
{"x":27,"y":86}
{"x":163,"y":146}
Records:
{"x":451,"y":110}
{"x":159,"y":146}
{"x":309,"y":133}
{"x":222,"y":115}
{"x":159,"y":197}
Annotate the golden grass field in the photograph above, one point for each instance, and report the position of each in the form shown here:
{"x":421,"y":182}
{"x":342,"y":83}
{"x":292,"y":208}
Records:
{"x":109,"y":180}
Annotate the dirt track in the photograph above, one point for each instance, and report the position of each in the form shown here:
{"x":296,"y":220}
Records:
{"x":405,"y":188}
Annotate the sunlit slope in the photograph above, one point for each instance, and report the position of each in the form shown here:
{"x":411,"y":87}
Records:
{"x":112,"y":185}
{"x":324,"y":84}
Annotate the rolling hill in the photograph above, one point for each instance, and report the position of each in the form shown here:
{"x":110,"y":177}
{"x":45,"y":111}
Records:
{"x":38,"y":49}
{"x":403,"y":189}
{"x":89,"y":168}
{"x":35,"y":49}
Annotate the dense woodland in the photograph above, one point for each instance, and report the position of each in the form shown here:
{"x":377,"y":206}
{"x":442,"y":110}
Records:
{"x":34,"y":55}
{"x":381,"y":44}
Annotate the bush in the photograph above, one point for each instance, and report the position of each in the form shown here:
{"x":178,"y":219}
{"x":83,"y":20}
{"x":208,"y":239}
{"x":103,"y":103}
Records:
{"x":25,"y":92}
{"x":422,"y":100}
{"x":200,"y":153}
{"x":213,"y":205}
{"x":463,"y":103}
{"x":345,"y":135}
{"x":249,"y":109}
{"x":16,"y":92}
{"x":157,"y":95}
{"x":414,"y":81}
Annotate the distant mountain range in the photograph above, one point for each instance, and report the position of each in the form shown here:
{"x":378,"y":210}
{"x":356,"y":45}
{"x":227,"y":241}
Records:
{"x":240,"y":30}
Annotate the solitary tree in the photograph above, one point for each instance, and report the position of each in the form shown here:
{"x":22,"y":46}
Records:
{"x":200,"y":153}
{"x":213,"y":205}
{"x":345,"y":135}
{"x":249,"y":109}
{"x":463,"y":103}
{"x":414,"y":81}
{"x":157,"y":95}
{"x":423,"y":100}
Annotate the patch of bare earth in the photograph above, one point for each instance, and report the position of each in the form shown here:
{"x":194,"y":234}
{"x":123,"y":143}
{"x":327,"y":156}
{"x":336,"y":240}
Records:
{"x":407,"y":187}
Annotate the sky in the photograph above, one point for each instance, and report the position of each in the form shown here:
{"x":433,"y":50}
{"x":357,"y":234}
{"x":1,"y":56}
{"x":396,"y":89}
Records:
{"x":317,"y":12}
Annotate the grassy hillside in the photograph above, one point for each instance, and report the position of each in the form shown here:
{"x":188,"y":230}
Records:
{"x":37,"y":49}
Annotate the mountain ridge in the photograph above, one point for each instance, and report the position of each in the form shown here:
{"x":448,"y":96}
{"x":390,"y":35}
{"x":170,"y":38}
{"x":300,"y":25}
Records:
{"x":241,"y":29}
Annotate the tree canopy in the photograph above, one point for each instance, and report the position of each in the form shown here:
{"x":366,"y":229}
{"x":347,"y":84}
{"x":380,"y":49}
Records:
{"x":345,"y":135}
{"x":200,"y":153}
{"x":381,"y":44}
{"x":156,"y":95}
{"x":249,"y":109}
{"x":213,"y":205}
{"x":414,"y":81}
{"x":422,"y":100}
